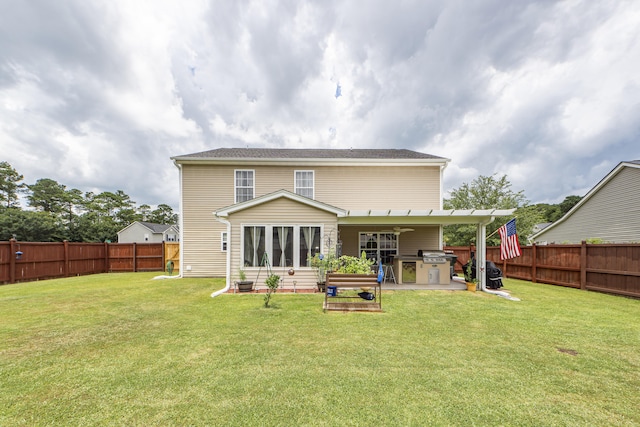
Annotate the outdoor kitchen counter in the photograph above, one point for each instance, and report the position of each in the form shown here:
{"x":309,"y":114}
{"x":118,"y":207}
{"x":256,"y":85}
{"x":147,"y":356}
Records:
{"x":414,"y":269}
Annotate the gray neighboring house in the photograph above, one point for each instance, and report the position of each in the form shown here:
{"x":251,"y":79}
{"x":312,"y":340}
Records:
{"x":148,"y":232}
{"x":610,"y":211}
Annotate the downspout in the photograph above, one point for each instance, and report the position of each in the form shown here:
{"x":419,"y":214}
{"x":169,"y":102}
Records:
{"x":228,"y":274}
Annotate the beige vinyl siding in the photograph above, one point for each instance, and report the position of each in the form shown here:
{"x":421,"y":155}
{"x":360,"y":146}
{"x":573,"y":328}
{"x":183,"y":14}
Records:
{"x":611,"y":214}
{"x":205,"y":189}
{"x":423,"y":237}
{"x":426,"y":237}
{"x":278,"y":212}
{"x":355,"y":187}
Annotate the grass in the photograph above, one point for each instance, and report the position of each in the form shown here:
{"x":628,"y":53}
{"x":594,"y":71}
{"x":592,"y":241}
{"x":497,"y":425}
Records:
{"x":122,"y":349}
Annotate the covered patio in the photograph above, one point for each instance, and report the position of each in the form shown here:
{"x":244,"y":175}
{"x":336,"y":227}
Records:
{"x":407,"y":219}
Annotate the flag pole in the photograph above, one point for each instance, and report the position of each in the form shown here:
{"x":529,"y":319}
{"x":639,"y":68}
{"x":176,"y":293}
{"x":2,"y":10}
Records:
{"x":498,"y":229}
{"x":494,"y":232}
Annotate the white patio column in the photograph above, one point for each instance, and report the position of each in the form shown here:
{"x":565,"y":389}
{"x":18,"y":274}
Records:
{"x":481,"y":253}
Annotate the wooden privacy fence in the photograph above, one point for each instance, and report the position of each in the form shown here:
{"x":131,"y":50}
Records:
{"x":28,"y":261}
{"x":611,"y":268}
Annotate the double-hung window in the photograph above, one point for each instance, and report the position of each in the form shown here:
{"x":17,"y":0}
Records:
{"x":244,"y":185}
{"x":304,"y":183}
{"x":223,"y":241}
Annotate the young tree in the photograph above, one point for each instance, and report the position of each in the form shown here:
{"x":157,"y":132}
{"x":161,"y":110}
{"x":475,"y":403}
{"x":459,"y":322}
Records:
{"x":10,"y":185}
{"x":484,"y":192}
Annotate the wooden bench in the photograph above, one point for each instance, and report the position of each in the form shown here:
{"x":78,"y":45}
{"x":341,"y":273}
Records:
{"x":351,"y":301}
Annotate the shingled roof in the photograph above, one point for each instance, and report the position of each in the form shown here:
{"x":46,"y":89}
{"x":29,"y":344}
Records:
{"x":312,"y":153}
{"x":156,"y":228}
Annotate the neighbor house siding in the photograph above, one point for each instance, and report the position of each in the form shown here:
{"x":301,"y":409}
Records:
{"x":136,"y":232}
{"x":278,"y":212}
{"x":611,"y":214}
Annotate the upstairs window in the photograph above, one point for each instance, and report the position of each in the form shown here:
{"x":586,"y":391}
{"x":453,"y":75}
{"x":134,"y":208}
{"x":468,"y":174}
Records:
{"x":304,"y":183}
{"x":244,"y":185}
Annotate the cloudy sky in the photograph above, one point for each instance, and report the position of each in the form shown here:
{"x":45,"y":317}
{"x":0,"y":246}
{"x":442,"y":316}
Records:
{"x":99,"y":94}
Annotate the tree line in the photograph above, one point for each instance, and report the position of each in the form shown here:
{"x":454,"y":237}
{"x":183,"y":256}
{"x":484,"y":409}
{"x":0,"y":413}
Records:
{"x":59,"y":213}
{"x":489,"y":192}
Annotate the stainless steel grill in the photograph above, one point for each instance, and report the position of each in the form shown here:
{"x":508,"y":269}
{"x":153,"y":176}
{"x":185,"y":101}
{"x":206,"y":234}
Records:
{"x":433,"y":257}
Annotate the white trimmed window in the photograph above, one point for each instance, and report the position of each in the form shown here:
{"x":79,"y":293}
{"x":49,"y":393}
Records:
{"x":309,"y":244}
{"x":223,"y":241}
{"x":279,"y":244}
{"x":379,"y":246}
{"x":244,"y":185}
{"x":282,"y":246}
{"x":254,"y":245}
{"x":304,"y":183}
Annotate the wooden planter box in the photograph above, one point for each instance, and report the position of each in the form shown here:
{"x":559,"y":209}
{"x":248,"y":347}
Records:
{"x":347,"y":288}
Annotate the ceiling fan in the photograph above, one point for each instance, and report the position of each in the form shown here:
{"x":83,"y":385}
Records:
{"x":397,"y":230}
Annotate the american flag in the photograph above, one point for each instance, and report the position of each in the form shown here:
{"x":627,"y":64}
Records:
{"x":509,"y":246}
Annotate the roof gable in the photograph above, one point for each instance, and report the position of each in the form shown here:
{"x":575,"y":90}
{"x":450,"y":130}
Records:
{"x":603,"y":182}
{"x":278,"y":195}
{"x":151,"y":226}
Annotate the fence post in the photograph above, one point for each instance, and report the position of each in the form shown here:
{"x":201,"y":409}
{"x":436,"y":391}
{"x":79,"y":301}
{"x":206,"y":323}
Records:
{"x":107,"y":267}
{"x":164,"y":261}
{"x":135,"y":258}
{"x":65,"y":267}
{"x":12,"y":260}
{"x":583,"y":265}
{"x":534,"y":262}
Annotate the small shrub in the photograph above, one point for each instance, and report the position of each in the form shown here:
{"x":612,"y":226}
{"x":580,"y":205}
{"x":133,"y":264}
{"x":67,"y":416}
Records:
{"x":354,"y":265}
{"x":272,"y":285}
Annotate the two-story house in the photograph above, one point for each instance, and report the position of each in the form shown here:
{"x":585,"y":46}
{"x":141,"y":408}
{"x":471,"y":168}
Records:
{"x":608,"y":212}
{"x":148,"y":232}
{"x":242,"y":206}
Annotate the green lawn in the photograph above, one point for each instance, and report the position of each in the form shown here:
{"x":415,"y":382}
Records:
{"x":122,"y":349}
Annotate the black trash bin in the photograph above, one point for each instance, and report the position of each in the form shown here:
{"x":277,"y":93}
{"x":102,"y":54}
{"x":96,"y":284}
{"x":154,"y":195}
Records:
{"x":452,"y":258}
{"x":493,"y":275}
